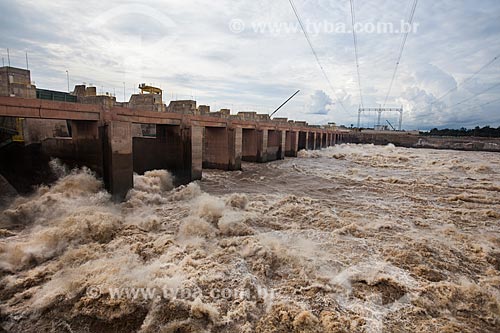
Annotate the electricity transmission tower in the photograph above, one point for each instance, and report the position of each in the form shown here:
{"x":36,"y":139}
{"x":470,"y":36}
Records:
{"x":380,"y":110}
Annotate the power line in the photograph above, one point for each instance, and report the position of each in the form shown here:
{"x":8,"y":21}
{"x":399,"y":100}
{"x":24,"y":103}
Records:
{"x":489,"y":63}
{"x":470,"y":109}
{"x":356,"y":54}
{"x":485,"y":104}
{"x":402,"y":46}
{"x":315,"y":53}
{"x":466,"y":80}
{"x":469,"y":98}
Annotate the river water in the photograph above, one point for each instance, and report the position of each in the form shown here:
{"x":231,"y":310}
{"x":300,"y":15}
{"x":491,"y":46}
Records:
{"x":353,"y":238}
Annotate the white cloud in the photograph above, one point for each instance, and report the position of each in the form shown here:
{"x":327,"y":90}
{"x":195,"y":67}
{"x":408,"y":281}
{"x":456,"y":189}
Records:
{"x":320,"y":103}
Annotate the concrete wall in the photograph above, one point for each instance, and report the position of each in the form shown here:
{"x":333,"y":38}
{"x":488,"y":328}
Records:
{"x":147,"y":102}
{"x":84,"y":148}
{"x":274,"y":145}
{"x":16,"y":82}
{"x":222,"y":148}
{"x":215,"y":148}
{"x":250,"y":145}
{"x":303,"y":140}
{"x":37,"y":130}
{"x":185,"y":107}
{"x":292,"y":143}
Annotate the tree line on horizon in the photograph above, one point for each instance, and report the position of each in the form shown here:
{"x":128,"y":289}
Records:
{"x":487,"y":132}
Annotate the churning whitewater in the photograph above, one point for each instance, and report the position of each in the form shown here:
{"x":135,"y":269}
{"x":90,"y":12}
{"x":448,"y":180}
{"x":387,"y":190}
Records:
{"x":353,"y":238}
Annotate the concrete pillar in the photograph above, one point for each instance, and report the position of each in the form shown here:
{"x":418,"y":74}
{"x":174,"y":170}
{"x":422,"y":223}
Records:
{"x":222,"y":148}
{"x":235,"y":147}
{"x":189,"y":165}
{"x":291,"y":143}
{"x":282,"y":145}
{"x":117,"y":158}
{"x":317,"y":140}
{"x":194,"y":157}
{"x":262,"y":143}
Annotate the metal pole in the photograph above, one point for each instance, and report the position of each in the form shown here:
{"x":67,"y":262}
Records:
{"x":8,"y":56}
{"x":284,"y":103}
{"x":400,"y":120}
{"x":124,"y":92}
{"x":67,"y":76}
{"x":27,"y":64}
{"x":359,"y":117}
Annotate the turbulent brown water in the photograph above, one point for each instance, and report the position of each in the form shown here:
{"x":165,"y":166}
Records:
{"x":347,"y":239}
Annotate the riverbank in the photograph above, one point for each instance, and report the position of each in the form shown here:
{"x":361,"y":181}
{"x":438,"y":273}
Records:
{"x":411,"y":140}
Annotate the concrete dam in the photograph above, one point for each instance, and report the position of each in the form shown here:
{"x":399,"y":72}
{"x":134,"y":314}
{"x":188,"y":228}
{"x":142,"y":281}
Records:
{"x":117,"y":139}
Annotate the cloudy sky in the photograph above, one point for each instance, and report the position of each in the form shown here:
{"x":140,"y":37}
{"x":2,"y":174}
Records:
{"x":251,"y":55}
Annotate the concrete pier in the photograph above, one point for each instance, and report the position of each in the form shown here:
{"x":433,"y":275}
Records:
{"x":118,"y":170}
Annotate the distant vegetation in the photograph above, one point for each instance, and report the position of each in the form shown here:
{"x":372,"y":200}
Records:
{"x":487,"y":132}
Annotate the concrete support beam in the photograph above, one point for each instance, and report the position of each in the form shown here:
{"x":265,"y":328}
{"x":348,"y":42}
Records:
{"x":291,"y":143}
{"x":282,"y":145}
{"x":222,"y":148}
{"x":117,"y":159}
